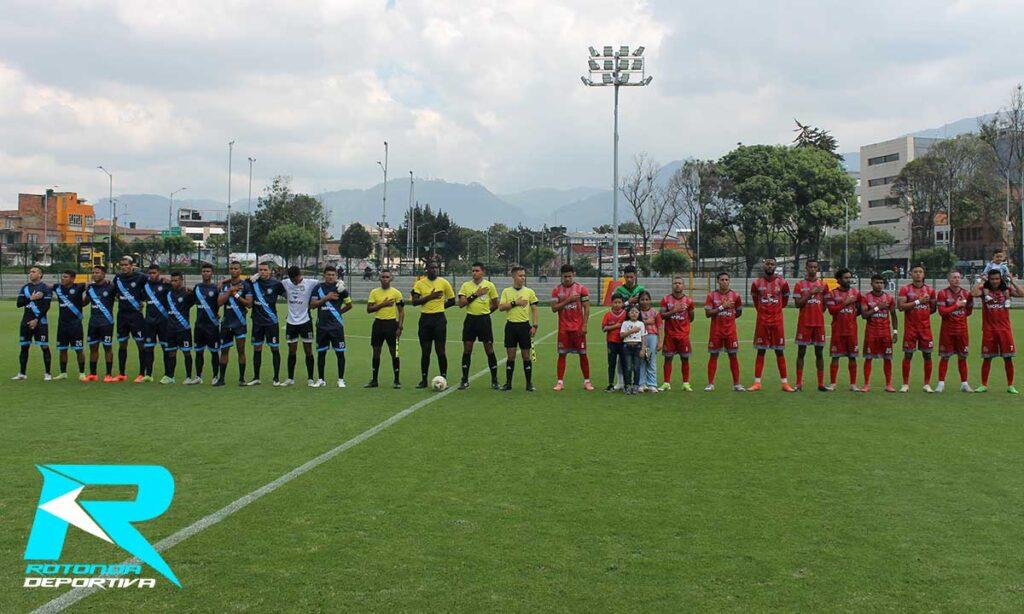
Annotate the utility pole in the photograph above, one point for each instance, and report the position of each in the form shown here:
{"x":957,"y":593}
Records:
{"x":113,"y":215}
{"x":248,"y":210}
{"x":383,"y":208}
{"x":231,"y":150}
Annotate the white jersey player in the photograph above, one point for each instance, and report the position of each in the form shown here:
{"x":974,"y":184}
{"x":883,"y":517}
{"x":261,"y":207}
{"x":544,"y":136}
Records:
{"x":298,"y":324}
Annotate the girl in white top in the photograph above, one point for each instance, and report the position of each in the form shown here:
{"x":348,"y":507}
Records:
{"x":633,"y":332}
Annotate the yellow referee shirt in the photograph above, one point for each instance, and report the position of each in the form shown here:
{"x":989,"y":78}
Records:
{"x":424,"y":286}
{"x":379,"y":295}
{"x":519,"y":313}
{"x":481,"y":305}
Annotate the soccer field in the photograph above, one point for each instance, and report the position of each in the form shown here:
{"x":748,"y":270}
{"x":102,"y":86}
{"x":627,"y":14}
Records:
{"x":489,"y":501}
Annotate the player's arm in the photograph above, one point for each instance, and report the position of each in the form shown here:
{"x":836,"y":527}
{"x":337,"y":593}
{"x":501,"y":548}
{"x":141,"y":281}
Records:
{"x":976,"y":290}
{"x":22,"y":300}
{"x":449,"y":295}
{"x":785,"y":293}
{"x":316,"y":302}
{"x":224,"y":295}
{"x":903,"y":304}
{"x":607,"y":325}
{"x":560,"y":304}
{"x":710,"y":310}
{"x":506,"y":303}
{"x":585,"y":308}
{"x":346,"y":302}
{"x":400,"y":306}
{"x":946,"y":308}
{"x":895,"y":322}
{"x":800,"y":298}
{"x":534,"y":318}
{"x":247,"y":298}
{"x":1015,"y":288}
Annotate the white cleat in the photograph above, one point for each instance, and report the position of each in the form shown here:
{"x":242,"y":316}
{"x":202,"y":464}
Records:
{"x":215,"y":380}
{"x":739,"y":388}
{"x":854,"y":388}
{"x":47,"y":377}
{"x":311,"y":383}
{"x":905,"y":388}
{"x":318,"y":384}
{"x":19,"y":377}
{"x":341,"y":383}
{"x":830,"y":387}
{"x":927,"y":388}
{"x":709,"y":388}
{"x":965,"y":387}
{"x":61,"y":376}
{"x":288,"y":382}
{"x":940,"y":386}
{"x":276,"y":384}
{"x":253,"y":382}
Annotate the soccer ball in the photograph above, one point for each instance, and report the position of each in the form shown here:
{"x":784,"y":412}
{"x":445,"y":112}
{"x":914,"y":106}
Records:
{"x":438,"y":383}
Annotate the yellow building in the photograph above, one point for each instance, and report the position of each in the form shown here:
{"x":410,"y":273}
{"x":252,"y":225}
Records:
{"x":56,"y":217}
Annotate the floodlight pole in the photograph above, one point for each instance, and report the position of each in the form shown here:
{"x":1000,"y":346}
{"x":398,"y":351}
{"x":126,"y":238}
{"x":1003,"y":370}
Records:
{"x":409,"y":226}
{"x":231,"y":151}
{"x":615,"y":187}
{"x":113,"y":214}
{"x":248,"y":210}
{"x":383,"y":208}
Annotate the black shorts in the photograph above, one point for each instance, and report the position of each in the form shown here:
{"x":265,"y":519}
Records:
{"x":101,"y":333}
{"x":153,"y":332}
{"x":330,"y":339}
{"x":40,"y":335}
{"x":265,"y":333}
{"x":207,"y":338}
{"x":229,"y":333}
{"x":433,"y":328}
{"x":176,"y":340}
{"x":478,"y":328}
{"x":517,"y":334}
{"x":299,"y":332}
{"x":69,"y":336}
{"x":130,"y":325}
{"x":384,"y":331}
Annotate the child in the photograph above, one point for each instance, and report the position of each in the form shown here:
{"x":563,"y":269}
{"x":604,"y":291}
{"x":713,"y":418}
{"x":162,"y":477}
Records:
{"x":652,"y":344}
{"x":998,"y":264}
{"x":610,"y":324}
{"x":633,"y":332}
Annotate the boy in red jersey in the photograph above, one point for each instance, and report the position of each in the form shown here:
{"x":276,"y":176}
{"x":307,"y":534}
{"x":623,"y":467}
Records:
{"x":955,"y":305}
{"x":770,"y":294}
{"x":879,"y":309}
{"x":844,"y":304}
{"x":723,"y":306}
{"x":917,"y":302}
{"x":611,"y":324}
{"x":677,"y":313}
{"x":809,"y":295}
{"x":571,"y":301}
{"x":996,"y":332}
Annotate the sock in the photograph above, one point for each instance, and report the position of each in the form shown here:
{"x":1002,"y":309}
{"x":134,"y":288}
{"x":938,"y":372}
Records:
{"x":758,"y":367}
{"x":92,"y":367}
{"x":821,"y":377}
{"x":424,"y":361}
{"x":867,"y":371}
{"x":734,"y":366}
{"x":188,"y":364}
{"x":63,"y":364}
{"x":309,"y":366}
{"x":321,"y":364}
{"x":200,"y":362}
{"x":122,"y":359}
{"x":241,"y":371}
{"x":833,"y":372}
{"x":799,"y":377}
{"x":167,"y":362}
{"x":110,"y":365}
{"x":143,"y":362}
{"x":257,"y":362}
{"x":23,"y":359}
{"x":684,"y":368}
{"x":394,"y":367}
{"x":961,"y":366}
{"x":906,"y":370}
{"x":943,"y":367}
{"x":442,"y":364}
{"x":275,"y":357}
{"x":340,"y":356}
{"x":47,"y":358}
{"x":170,"y":364}
{"x":492,"y":364}
{"x":887,"y":368}
{"x":375,"y":367}
{"x":585,"y":366}
{"x":215,"y":364}
{"x":852,"y":367}
{"x":666,"y":372}
{"x":528,"y":372}
{"x":712,"y":368}
{"x":560,"y":368}
{"x":510,"y":367}
{"x":780,"y":361}
{"x":986,"y":368}
{"x":292,"y":358}
{"x":466,"y":359}
{"x":1008,"y":367}
{"x":927,"y":370}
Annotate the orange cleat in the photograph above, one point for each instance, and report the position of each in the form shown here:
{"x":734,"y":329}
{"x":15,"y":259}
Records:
{"x":559,"y":386}
{"x":588,"y":386}
{"x":121,"y":378}
{"x":787,"y":388}
{"x":890,"y":388}
{"x":864,"y":389}
{"x":754,"y":387}
{"x":91,"y":378}
{"x":139,"y":379}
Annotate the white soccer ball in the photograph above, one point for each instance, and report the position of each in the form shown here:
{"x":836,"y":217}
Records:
{"x":439,"y":383}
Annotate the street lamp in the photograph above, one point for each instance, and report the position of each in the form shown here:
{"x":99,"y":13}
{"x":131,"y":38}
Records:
{"x":231,"y":150}
{"x":615,"y":69}
{"x":433,"y":240}
{"x":383,"y":207}
{"x":170,"y":207}
{"x":248,"y":209}
{"x":409,"y":225}
{"x":46,"y":217}
{"x":113,"y":215}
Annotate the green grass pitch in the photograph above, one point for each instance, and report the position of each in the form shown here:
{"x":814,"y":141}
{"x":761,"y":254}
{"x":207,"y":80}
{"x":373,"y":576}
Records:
{"x":487,"y":501}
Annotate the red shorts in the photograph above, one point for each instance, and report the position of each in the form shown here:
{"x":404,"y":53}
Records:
{"x":878,"y":345}
{"x":997,"y":343}
{"x":723,"y":342}
{"x":677,"y":346}
{"x":844,"y":345}
{"x":811,"y":335}
{"x":572,"y":342}
{"x":769,"y":336}
{"x":917,"y":339}
{"x":953,"y":343}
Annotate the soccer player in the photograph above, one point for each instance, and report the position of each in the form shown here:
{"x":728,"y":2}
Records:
{"x":388,"y":309}
{"x":879,"y":309}
{"x":479,"y":297}
{"x":298,"y":325}
{"x":101,"y":296}
{"x":611,"y":324}
{"x":156,"y":319}
{"x":70,"y":300}
{"x":265,"y":325}
{"x":677,"y":314}
{"x":770,"y":294}
{"x":207,"y":333}
{"x":34,"y":297}
{"x":571,"y":301}
{"x":809,"y":296}
{"x":131,"y":296}
{"x":433,"y":295}
{"x":521,"y":304}
{"x":236,"y":297}
{"x":844,"y":304}
{"x":177,"y":334}
{"x":996,"y":332}
{"x":723,"y":306}
{"x":917,"y":302}
{"x":331,"y":303}
{"x":955,"y":305}
{"x":629,"y":290}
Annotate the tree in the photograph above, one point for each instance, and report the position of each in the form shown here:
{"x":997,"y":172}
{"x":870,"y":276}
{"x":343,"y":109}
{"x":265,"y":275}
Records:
{"x":279,"y":206}
{"x":640,"y":190}
{"x":217,"y":245}
{"x":538,"y":257}
{"x":176,"y":246}
{"x":936,"y":260}
{"x":584,"y":267}
{"x":669,"y":261}
{"x":822,"y":191}
{"x":290,"y":241}
{"x":815,"y":138}
{"x":148,"y":249}
{"x":435,"y":233}
{"x":355,"y":242}
{"x":866,"y":245}
{"x":64,"y":253}
{"x":1004,"y":136}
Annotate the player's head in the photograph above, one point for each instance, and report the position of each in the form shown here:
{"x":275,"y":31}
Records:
{"x":995,"y":280}
{"x":98,"y":273}
{"x":629,"y":273}
{"x":35,"y":274}
{"x":294,"y":274}
{"x":845,"y":278}
{"x":432,"y":270}
{"x":954,"y":278}
{"x":235,"y":269}
{"x":330,"y":275}
{"x":154,"y":272}
{"x":723,"y":282}
{"x":264,"y":269}
{"x":518,"y":274}
{"x":206,"y":271}
{"x":645,"y":300}
{"x":998,"y":255}
{"x":811,"y":266}
{"x":568,"y":274}
{"x":385,"y":278}
{"x":177,"y":280}
{"x":633,"y":313}
{"x":127,"y":264}
{"x":877,"y":282}
{"x":617,"y":303}
{"x":67,"y":276}
{"x":917,"y":273}
{"x":678,"y":285}
{"x":769,"y":266}
{"x":479,"y":270}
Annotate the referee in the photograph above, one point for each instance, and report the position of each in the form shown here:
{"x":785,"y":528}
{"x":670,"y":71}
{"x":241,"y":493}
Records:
{"x":433,"y":295}
{"x":521,"y":304}
{"x":385,"y":303}
{"x":479,"y":297}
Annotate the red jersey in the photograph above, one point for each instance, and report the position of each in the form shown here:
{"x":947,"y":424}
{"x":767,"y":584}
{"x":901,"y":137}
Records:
{"x":954,"y":318}
{"x":570,"y":318}
{"x":995,"y":309}
{"x":610,"y":317}
{"x":920,"y":317}
{"x":844,"y":317}
{"x":769,"y":297}
{"x":879,"y":308}
{"x":813,"y":311}
{"x":724,"y":322}
{"x":652,"y":320}
{"x":677,"y":324}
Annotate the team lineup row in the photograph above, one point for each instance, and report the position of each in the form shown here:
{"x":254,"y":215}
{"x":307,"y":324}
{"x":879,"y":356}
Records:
{"x":153,"y":309}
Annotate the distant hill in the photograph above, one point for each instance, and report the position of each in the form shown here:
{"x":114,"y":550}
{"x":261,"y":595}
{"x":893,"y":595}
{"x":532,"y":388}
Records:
{"x":150,"y":210}
{"x":540,"y":202}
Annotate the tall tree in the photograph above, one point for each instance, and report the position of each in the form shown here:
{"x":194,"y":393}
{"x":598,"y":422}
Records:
{"x":815,"y":138}
{"x":279,"y":206}
{"x":291,"y":241}
{"x":1004,"y":135}
{"x":646,"y":205}
{"x":355,"y":242}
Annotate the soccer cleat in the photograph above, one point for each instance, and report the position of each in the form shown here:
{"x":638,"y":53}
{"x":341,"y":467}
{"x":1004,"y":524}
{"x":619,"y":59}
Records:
{"x":494,"y":384}
{"x":1011,"y":390}
{"x":121,"y":378}
{"x":19,"y":377}
{"x":588,"y":386}
{"x":109,"y":379}
{"x":463,"y":384}
{"x":82,"y":377}
{"x":927,"y":389}
{"x":215,"y":380}
{"x":60,"y":376}
{"x":276,"y":384}
{"x":787,"y":388}
{"x":506,"y":388}
{"x":890,"y":389}
{"x":311,"y":383}
{"x":254,"y":382}
{"x":754,"y":387}
{"x":738,"y":388}
{"x":341,"y":383}
{"x":982,"y":388}
{"x":371,"y":384}
{"x":905,"y":388}
{"x":147,"y":378}
{"x":687,"y":387}
{"x":319,"y":383}
{"x":217,"y":383}
{"x":854,"y":388}
{"x":965,"y":387}
{"x":47,"y":377}
{"x":530,"y":388}
{"x":92,"y":378}
{"x":610,"y":388}
{"x":832,"y":387}
{"x":166,"y":380}
{"x":422,"y":384}
{"x":618,"y":387}
{"x":667,"y":386}
{"x":709,"y":388}
{"x":866,"y":388}
{"x":823,"y":389}
{"x":559,"y":386}
{"x":939,"y":386}
{"x":288,"y":382}
{"x":396,"y":385}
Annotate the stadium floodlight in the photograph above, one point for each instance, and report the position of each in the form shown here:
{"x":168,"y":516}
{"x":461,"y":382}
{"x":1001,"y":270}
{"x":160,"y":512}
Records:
{"x":616,"y":70}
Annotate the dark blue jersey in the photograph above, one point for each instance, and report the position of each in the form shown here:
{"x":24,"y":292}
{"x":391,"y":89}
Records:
{"x":70,"y":300}
{"x":156,"y":306}
{"x":35,"y":309}
{"x":207,"y":309}
{"x":130,"y":293}
{"x":102,"y":297}
{"x":328,"y":315}
{"x":265,"y":293}
{"x":178,"y":303}
{"x":234,"y":309}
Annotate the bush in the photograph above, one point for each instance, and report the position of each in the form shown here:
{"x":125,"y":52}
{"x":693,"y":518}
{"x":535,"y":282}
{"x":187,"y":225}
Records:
{"x":669,"y":261}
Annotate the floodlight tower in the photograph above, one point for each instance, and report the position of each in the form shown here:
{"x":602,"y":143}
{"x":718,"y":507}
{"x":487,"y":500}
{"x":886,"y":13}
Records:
{"x":616,"y":68}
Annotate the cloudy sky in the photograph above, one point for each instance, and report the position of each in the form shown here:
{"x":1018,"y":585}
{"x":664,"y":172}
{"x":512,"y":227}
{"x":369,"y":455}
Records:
{"x":480,"y":90}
